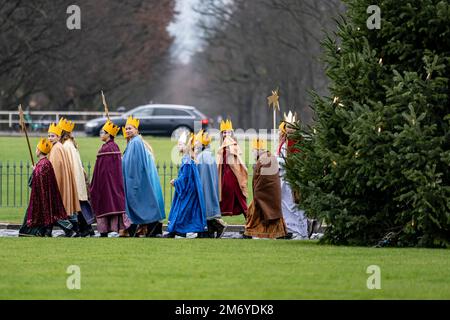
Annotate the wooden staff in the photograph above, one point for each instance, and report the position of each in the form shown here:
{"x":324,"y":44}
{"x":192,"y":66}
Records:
{"x":105,"y":105}
{"x":24,"y":129}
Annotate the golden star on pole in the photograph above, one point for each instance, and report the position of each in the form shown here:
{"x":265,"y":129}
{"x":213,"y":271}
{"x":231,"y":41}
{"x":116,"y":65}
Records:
{"x":273,"y":99}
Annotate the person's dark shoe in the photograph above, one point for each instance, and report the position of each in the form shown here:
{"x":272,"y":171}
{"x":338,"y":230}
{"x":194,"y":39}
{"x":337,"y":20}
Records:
{"x":205,"y":235}
{"x":48,"y":232}
{"x":90,"y":231}
{"x":84,"y":234}
{"x":220,"y":227}
{"x":71,"y":234}
{"x":154,"y":229}
{"x":159,"y":229}
{"x":132,"y":230}
{"x":104,"y":235}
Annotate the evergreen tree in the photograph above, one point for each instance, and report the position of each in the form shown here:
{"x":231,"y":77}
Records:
{"x":375,"y":164}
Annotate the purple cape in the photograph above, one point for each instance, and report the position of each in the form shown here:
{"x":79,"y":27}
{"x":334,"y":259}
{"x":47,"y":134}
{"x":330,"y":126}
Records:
{"x":107,"y":191}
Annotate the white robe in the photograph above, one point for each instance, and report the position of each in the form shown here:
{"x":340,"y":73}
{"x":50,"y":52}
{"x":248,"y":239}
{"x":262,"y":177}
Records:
{"x":78,"y":170}
{"x":296,"y":221}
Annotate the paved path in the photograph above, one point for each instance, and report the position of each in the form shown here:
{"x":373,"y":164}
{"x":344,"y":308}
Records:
{"x":5,"y":233}
{"x":231,"y":232}
{"x":12,"y":230}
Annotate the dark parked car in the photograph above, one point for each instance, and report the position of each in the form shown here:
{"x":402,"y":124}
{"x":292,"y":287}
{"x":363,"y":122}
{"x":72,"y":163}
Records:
{"x":156,"y":119}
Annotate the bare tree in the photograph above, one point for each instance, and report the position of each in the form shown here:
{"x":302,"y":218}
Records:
{"x":120,"y":47}
{"x":255,"y":46}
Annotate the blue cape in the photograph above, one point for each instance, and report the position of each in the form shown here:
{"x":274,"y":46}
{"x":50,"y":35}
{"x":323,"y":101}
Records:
{"x":143,"y":194}
{"x":188,"y":207}
{"x":207,"y":169}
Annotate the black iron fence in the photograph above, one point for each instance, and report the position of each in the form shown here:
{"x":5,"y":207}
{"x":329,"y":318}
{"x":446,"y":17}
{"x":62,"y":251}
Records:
{"x":15,"y":193}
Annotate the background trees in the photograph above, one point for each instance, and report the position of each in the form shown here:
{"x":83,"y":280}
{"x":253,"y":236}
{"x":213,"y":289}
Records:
{"x":120,"y":48}
{"x":254,"y":46}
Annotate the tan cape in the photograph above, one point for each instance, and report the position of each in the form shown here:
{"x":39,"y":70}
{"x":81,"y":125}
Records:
{"x":62,"y":165}
{"x":78,"y":170}
{"x":235,"y":162}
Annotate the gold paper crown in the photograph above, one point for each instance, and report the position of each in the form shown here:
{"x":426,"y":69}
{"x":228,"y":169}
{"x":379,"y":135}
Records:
{"x":124,"y":132}
{"x":259,"y":144}
{"x":111,"y":128}
{"x":203,"y":137}
{"x":226,"y":126}
{"x":192,"y":139}
{"x":55,"y":129}
{"x":133,"y":122}
{"x":66,"y":125}
{"x":290,"y":117}
{"x":44,"y":146}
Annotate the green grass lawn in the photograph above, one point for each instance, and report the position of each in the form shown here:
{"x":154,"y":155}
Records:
{"x":13,"y":200}
{"x":117,"y":268}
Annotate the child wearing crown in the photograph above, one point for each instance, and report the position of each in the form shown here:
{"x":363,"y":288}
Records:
{"x":207,"y":168}
{"x":62,"y":165}
{"x":187,"y":214}
{"x":106,"y":189}
{"x":232,"y":173}
{"x":86,"y":217}
{"x":296,"y":221}
{"x":264,"y":216}
{"x":45,"y":207}
{"x":144,"y":202}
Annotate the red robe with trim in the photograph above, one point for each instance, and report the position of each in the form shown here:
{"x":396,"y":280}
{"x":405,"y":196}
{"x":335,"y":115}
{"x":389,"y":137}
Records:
{"x":46,"y":206}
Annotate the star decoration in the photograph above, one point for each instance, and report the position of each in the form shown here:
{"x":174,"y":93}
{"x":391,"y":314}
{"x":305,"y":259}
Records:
{"x":273,"y":99}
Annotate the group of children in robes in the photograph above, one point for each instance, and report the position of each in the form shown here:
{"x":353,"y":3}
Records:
{"x":125,"y":194}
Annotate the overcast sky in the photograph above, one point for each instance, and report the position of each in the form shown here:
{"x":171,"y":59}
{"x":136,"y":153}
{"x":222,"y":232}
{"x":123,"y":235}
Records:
{"x":185,"y":30}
